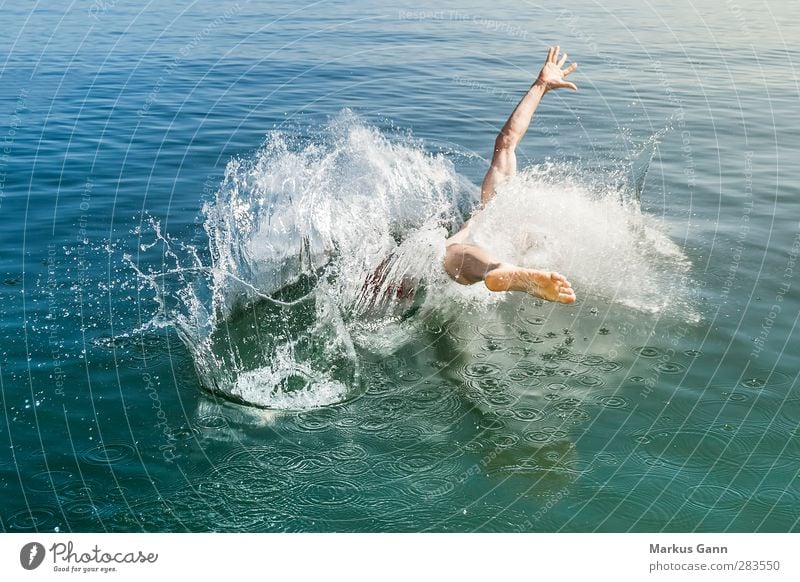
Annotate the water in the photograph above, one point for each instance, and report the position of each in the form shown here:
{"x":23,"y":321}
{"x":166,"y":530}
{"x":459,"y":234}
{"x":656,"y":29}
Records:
{"x":196,"y":199}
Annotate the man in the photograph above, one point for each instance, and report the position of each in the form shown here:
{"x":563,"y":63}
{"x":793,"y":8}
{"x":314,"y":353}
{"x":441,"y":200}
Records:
{"x":467,"y":263}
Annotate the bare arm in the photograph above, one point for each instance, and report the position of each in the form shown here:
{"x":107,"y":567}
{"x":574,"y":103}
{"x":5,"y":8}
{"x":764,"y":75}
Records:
{"x":504,"y":161}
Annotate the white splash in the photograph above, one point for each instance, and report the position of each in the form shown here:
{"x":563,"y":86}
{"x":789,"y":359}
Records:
{"x":311,"y":239}
{"x":548,"y":219}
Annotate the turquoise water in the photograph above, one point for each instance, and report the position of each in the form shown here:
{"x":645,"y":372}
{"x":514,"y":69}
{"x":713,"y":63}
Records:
{"x":167,"y":172}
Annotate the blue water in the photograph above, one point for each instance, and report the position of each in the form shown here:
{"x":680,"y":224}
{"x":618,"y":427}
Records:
{"x":665,"y":399}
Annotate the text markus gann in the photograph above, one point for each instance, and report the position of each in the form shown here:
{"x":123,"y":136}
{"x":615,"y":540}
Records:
{"x":676,"y":549}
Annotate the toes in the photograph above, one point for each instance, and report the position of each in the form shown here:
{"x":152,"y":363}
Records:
{"x":560,"y":281}
{"x":565,"y":297}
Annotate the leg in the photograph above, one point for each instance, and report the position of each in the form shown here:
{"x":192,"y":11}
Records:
{"x":467,"y":264}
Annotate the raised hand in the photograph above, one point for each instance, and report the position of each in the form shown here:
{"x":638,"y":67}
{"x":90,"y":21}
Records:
{"x":552,"y":75}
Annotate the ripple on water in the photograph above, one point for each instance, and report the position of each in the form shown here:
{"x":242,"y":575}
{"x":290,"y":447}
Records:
{"x":481,"y":388}
{"x":61,"y":482}
{"x":432,"y":486}
{"x":715,"y":497}
{"x":769,"y":449}
{"x":481,"y":370}
{"x":402,"y":435}
{"x":577,"y":466}
{"x":528,"y":376}
{"x":389,"y":471}
{"x":574,"y":415}
{"x":299,"y":461}
{"x":391,"y":507}
{"x":329,"y":493}
{"x":775,"y":505}
{"x":500,"y":399}
{"x":352,"y":468}
{"x":632,"y":505}
{"x":134,"y":487}
{"x":607,"y":458}
{"x":528,"y":414}
{"x":320,"y":419}
{"x":426,"y":395}
{"x":541,"y":371}
{"x":609,"y":366}
{"x":32,"y":519}
{"x":567,"y":404}
{"x":348,"y":423}
{"x":690,"y":451}
{"x":566,"y":372}
{"x":562,"y":353}
{"x":544,"y":435}
{"x":590,"y":381}
{"x":378,"y":387}
{"x":389,"y":406}
{"x":210,"y":422}
{"x":503,"y":441}
{"x":87,"y":510}
{"x":648,"y":351}
{"x":409,"y":375}
{"x":738,"y":409}
{"x":530,"y":337}
{"x":349,"y":451}
{"x":250,"y":477}
{"x":109,"y":454}
{"x":533,"y":319}
{"x":158,"y":515}
{"x":437,"y":403}
{"x":789,"y":412}
{"x":498,"y":331}
{"x":613,"y":401}
{"x":670,"y":367}
{"x":491,"y":422}
{"x":592,"y":360}
{"x":754,"y":382}
{"x":418,"y":463}
{"x":765,"y":378}
{"x":245,"y":519}
{"x":78,"y":490}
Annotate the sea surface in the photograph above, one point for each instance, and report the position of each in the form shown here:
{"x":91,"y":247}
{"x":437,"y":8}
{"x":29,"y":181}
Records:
{"x":213,"y":212}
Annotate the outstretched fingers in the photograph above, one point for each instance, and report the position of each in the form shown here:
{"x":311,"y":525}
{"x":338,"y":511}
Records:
{"x":570,"y":68}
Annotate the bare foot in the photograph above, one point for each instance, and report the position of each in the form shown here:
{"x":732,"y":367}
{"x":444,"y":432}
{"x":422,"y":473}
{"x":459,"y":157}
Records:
{"x":542,"y":284}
